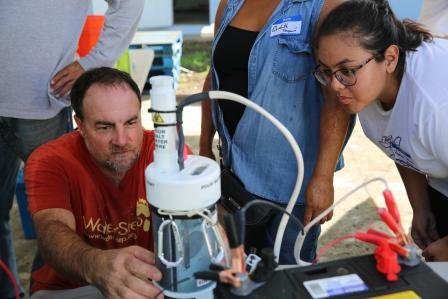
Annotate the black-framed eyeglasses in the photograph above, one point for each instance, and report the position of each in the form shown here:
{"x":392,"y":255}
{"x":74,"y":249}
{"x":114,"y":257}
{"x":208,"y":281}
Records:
{"x":346,"y":76}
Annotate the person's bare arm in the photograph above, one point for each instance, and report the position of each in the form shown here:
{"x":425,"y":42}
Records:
{"x":423,"y":230}
{"x":118,"y":273}
{"x":63,"y":81}
{"x":437,"y":251}
{"x":207,"y":128}
{"x":333,"y":129}
{"x":327,"y":7}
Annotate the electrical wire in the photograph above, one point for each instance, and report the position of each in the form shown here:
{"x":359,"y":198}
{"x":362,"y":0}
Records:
{"x":180,"y":131}
{"x":331,"y":208}
{"x":11,"y":277}
{"x":268,"y":203}
{"x":329,"y":245}
{"x":159,"y":293}
{"x":223,"y":95}
{"x":301,"y":237}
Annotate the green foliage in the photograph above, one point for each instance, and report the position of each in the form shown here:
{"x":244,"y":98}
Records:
{"x":196,"y":55}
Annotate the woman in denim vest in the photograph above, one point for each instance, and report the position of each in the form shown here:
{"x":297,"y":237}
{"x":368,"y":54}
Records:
{"x":262,"y":50}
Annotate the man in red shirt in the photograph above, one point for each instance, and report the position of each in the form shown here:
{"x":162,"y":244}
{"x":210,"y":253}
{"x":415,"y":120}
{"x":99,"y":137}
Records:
{"x":86,"y":192}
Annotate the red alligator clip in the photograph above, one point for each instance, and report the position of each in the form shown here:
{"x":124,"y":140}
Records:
{"x":386,"y":252}
{"x":393,"y":225}
{"x":387,"y":262}
{"x":395,"y":214}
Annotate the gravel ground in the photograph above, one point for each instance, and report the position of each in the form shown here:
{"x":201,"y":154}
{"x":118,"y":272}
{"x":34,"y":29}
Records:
{"x":363,"y":162}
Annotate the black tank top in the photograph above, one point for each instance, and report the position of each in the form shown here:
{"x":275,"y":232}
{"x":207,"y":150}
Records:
{"x":231,"y":59}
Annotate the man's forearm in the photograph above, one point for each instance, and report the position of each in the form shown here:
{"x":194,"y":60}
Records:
{"x":118,"y":273}
{"x":66,"y":252}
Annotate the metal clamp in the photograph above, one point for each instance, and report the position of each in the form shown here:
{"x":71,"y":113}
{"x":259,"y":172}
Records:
{"x":221,"y":253}
{"x":177,"y":241}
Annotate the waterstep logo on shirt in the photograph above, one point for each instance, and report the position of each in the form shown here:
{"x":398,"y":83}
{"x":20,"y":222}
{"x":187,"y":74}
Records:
{"x":143,"y":209}
{"x":287,"y":26}
{"x":122,"y":231}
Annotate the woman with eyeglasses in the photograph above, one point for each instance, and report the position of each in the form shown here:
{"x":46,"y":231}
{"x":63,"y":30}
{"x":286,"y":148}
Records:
{"x":394,"y":75}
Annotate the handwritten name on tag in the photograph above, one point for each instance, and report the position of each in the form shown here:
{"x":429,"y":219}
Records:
{"x":287,"y":26}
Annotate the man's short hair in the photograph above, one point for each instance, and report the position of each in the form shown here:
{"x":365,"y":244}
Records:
{"x":102,"y":76}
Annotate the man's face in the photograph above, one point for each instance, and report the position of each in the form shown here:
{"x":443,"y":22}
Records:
{"x":111,"y":127}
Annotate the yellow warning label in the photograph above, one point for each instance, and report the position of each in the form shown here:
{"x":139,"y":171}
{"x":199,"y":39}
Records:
{"x":400,"y":295}
{"x":157,"y":118}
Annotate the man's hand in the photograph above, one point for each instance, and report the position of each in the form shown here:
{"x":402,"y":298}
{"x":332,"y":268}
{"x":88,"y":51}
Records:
{"x":319,"y":196}
{"x":118,"y":273}
{"x":423,"y":230}
{"x":437,"y":251}
{"x":63,"y":81}
{"x":125,"y":273}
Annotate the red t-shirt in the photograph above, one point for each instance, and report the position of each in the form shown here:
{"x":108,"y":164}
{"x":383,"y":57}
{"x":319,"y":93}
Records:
{"x":62,"y":174}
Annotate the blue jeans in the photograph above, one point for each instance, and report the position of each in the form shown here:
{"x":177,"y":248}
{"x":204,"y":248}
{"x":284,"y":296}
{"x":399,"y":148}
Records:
{"x":18,"y":138}
{"x":308,"y":252}
{"x":263,"y":235}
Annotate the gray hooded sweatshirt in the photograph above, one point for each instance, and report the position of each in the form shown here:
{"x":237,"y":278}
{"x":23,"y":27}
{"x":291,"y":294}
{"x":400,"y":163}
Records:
{"x":40,"y":37}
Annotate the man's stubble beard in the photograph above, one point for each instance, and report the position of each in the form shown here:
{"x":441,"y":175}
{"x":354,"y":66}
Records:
{"x":111,"y":165}
{"x":117,"y":165}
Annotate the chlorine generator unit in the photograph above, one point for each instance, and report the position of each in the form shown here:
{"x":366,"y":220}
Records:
{"x":183,"y":204}
{"x":183,"y":190}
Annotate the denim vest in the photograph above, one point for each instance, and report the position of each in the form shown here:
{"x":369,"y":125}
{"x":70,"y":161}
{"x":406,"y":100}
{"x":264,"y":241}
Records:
{"x":280,"y":80}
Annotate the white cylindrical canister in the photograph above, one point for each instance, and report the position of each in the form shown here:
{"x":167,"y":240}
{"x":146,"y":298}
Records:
{"x":163,"y":104}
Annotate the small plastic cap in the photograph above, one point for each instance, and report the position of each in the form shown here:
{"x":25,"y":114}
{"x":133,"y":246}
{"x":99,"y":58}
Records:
{"x":161,"y":81}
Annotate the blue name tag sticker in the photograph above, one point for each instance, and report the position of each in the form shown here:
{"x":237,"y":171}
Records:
{"x":287,"y":26}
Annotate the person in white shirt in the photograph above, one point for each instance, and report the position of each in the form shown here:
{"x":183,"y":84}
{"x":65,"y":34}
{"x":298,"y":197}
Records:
{"x":393,"y":74}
